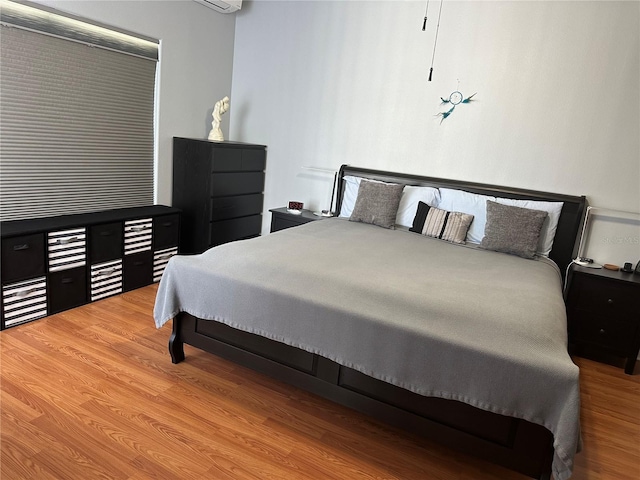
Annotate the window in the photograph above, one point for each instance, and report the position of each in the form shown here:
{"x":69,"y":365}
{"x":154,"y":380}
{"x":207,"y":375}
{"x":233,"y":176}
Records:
{"x":76,"y":115}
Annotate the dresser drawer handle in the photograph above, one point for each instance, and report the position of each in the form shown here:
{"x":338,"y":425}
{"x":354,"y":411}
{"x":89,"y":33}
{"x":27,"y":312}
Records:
{"x":65,"y":241}
{"x":164,"y":257}
{"x":23,"y":293}
{"x":106,"y":233}
{"x":167,"y":224}
{"x":105,"y":273}
{"x":138,"y":263}
{"x":139,"y":229}
{"x":602,"y":332}
{"x":610,"y":301}
{"x":67,"y":280}
{"x":24,"y":246}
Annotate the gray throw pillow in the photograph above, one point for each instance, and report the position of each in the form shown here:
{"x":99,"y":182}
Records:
{"x":512,"y":230}
{"x":377,"y":203}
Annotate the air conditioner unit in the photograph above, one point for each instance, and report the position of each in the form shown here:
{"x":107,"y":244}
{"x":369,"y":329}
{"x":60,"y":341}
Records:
{"x":227,"y":6}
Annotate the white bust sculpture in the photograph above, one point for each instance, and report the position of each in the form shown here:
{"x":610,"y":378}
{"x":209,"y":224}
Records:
{"x":220,"y":107}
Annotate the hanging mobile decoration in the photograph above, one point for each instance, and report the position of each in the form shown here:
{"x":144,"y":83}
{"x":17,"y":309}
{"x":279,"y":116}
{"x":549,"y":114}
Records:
{"x":424,"y":23}
{"x":435,"y":42}
{"x":455,"y":99}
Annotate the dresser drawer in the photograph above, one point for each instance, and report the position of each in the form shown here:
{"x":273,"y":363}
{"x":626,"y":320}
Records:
{"x":226,"y":159}
{"x":605,"y":297}
{"x":160,"y":260}
{"x":236,"y":159}
{"x":105,"y":242}
{"x":106,"y":279}
{"x":280,"y":223}
{"x":612,"y":333}
{"x":166,"y":231}
{"x":228,"y":184}
{"x":137,"y":235}
{"x":67,"y":289}
{"x":254,"y":159}
{"x":237,"y":206}
{"x":67,"y":249}
{"x":235,"y":229}
{"x":24,"y":301}
{"x":22,"y":257}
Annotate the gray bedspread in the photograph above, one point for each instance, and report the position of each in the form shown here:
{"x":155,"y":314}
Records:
{"x":443,"y":320}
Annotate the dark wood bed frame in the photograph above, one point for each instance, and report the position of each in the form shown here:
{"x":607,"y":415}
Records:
{"x":516,"y":444}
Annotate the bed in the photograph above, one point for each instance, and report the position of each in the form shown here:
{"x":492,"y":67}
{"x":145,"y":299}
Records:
{"x":461,"y":344}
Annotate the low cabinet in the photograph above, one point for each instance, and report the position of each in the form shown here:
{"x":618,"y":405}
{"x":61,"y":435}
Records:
{"x":603,"y":310}
{"x":53,"y":264}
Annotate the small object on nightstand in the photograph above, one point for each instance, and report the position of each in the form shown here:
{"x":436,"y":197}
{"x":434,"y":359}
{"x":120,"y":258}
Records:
{"x":296,"y":205}
{"x":610,"y":266}
{"x":628,"y":268}
{"x":294,"y":212}
{"x":586,"y":262}
{"x":323,"y":213}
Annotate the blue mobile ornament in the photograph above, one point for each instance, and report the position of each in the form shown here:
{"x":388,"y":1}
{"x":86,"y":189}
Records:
{"x":455,"y":99}
{"x":435,"y":42}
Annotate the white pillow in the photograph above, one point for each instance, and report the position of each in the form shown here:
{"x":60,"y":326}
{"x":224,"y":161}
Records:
{"x":550,"y":225}
{"x":351,"y":186}
{"x":411,"y":195}
{"x":466,"y":202}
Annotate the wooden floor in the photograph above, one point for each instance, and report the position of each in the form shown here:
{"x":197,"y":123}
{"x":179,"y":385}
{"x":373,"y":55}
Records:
{"x":91,"y":393}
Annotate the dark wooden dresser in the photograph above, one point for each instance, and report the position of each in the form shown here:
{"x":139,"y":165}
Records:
{"x":56,"y":263}
{"x":603,"y":310}
{"x":219,"y":188}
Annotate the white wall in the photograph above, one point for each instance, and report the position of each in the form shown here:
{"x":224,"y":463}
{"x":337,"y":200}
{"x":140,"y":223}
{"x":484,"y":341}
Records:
{"x":326,"y":83}
{"x":196,"y":60}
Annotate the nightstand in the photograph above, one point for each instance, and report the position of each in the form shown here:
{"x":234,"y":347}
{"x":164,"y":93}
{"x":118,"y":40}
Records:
{"x":603,"y":310}
{"x":281,"y":218}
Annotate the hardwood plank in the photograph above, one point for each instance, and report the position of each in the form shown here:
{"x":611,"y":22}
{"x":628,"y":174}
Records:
{"x":20,"y":408}
{"x":16,"y":461}
{"x":146,"y":440}
{"x":108,"y":459}
{"x":58,"y":456}
{"x":92,"y":393}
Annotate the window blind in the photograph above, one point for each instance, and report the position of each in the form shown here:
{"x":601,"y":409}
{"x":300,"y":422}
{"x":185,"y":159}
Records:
{"x":76,"y":125}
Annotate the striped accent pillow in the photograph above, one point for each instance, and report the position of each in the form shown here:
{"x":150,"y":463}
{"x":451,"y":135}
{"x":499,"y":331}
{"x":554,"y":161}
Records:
{"x":433,"y":222}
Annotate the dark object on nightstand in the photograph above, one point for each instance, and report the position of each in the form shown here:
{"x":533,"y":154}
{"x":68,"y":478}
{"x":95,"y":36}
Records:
{"x":218,"y":186}
{"x":603,"y":310}
{"x":281,"y":218}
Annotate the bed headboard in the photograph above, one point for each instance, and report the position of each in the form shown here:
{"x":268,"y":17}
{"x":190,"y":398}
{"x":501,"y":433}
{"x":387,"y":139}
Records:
{"x":565,"y":244}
